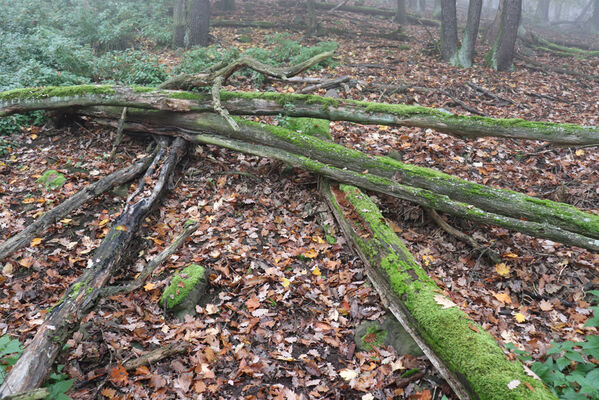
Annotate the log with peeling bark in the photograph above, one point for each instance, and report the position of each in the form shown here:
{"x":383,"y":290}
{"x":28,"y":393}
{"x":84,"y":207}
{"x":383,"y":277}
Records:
{"x":34,"y":364}
{"x":371,"y":181}
{"x":270,"y":103}
{"x":89,"y":192}
{"x":465,"y":354}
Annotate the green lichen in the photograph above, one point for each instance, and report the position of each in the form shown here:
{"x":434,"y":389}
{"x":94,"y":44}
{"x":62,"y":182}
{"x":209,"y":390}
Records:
{"x":55,"y":91}
{"x":181,"y":284}
{"x":464,"y":347}
{"x":52,"y":179}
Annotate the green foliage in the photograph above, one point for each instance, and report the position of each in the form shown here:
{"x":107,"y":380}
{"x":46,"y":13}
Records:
{"x":58,"y":385}
{"x":13,"y":123}
{"x":374,"y":337}
{"x":569,"y":370}
{"x":52,"y":179}
{"x":132,"y":67}
{"x":10,"y":350}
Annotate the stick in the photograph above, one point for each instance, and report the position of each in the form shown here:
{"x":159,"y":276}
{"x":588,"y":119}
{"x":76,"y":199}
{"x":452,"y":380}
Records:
{"x":91,"y":191}
{"x":157,"y":355}
{"x":119,"y":133}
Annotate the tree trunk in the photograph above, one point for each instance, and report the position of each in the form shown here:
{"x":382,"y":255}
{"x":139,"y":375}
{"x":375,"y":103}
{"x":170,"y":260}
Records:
{"x":449,"y":29}
{"x":30,"y":370}
{"x":422,"y":4}
{"x":501,"y":55}
{"x":199,"y":22}
{"x":179,"y":26}
{"x":413,"y":4}
{"x":493,"y":30}
{"x":437,"y":9}
{"x":312,"y":25}
{"x":465,"y":54}
{"x":465,"y":354}
{"x":595,"y":16}
{"x":228,"y":5}
{"x":401,"y":16}
{"x":375,"y":11}
{"x":252,"y":103}
{"x":543,"y":10}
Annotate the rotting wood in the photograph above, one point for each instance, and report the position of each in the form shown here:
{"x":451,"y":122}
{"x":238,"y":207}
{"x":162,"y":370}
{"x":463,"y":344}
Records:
{"x":34,"y":364}
{"x":157,"y":355}
{"x":292,"y":105}
{"x":464,"y":353}
{"x":89,"y":192}
{"x":538,"y":217}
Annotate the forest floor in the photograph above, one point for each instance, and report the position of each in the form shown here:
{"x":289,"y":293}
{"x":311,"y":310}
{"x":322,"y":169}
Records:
{"x":284,"y":302}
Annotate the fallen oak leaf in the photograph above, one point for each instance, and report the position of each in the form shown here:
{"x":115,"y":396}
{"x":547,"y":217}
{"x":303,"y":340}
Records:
{"x":119,"y":376}
{"x":444,"y":301}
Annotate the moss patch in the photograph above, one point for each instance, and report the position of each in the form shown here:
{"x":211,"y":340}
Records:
{"x":52,"y":179}
{"x":309,"y":126}
{"x":181,"y":284}
{"x":55,"y":91}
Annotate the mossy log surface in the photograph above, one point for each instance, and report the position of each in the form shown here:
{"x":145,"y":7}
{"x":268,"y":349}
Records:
{"x":503,"y":202}
{"x":293,"y":105}
{"x":470,"y":353}
{"x":423,"y":197}
{"x":34,"y":364}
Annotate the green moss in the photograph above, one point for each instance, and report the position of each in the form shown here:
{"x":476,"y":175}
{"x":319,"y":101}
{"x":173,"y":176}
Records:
{"x":143,"y":89}
{"x":181,"y":284}
{"x":374,"y":337}
{"x":55,"y":91}
{"x":52,"y":179}
{"x":309,"y":126}
{"x":75,"y":290}
{"x":464,"y":347}
{"x":188,"y":96}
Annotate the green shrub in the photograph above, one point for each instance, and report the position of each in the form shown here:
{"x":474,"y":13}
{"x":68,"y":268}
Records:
{"x":571,"y":370}
{"x":131,"y":67}
{"x":10,"y":350}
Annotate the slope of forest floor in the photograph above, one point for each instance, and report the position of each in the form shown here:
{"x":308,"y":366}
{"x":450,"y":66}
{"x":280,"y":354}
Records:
{"x":284,"y":300}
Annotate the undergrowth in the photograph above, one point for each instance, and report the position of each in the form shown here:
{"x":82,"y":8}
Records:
{"x":571,"y":369}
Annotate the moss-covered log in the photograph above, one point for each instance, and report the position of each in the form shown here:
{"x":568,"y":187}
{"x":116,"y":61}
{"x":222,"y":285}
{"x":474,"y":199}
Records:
{"x":470,"y":358}
{"x":256,"y":103}
{"x":497,"y":201}
{"x":34,"y":364}
{"x":366,"y":180}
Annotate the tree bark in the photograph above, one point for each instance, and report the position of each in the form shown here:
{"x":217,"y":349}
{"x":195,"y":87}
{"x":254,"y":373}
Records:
{"x":312,"y":25}
{"x":252,"y":103}
{"x":493,"y":30}
{"x":502,"y":54}
{"x":199,"y":22}
{"x":32,"y":367}
{"x":401,"y":15}
{"x":228,"y":5}
{"x":465,"y":54}
{"x":449,"y":29}
{"x":543,"y":10}
{"x":180,"y":23}
{"x":595,"y":16}
{"x":465,"y":354}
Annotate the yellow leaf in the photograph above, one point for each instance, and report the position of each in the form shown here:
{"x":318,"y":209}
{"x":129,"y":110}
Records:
{"x":503,"y":297}
{"x":33,"y":136}
{"x":29,"y":200}
{"x":511,"y":255}
{"x":104,"y":222}
{"x":316,"y":271}
{"x":502,"y":269}
{"x":520,"y":317}
{"x":121,"y":228}
{"x":318,"y":239}
{"x":580,"y":152}
{"x":310,"y":253}
{"x":285,"y":282}
{"x":149,"y":286}
{"x":66,"y":220}
{"x":36,"y":241}
{"x":427,"y":259}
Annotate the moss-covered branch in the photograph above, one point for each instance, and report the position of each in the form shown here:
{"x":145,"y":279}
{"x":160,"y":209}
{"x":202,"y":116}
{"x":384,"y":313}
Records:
{"x":470,"y":353}
{"x":256,"y":103}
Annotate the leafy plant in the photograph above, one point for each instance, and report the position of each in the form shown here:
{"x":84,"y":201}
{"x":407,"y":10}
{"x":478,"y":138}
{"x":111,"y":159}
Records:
{"x":571,"y":369}
{"x":10,"y":350}
{"x":58,"y":385}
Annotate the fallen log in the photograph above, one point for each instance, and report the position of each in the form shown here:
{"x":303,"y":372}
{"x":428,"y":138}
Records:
{"x":466,"y":355}
{"x":506,"y":203}
{"x":292,"y":105}
{"x":423,"y":197}
{"x":91,"y":191}
{"x":376,"y":11}
{"x":34,"y":364}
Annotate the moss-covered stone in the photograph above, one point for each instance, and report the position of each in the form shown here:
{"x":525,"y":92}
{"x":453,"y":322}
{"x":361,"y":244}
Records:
{"x":52,"y":179}
{"x":465,"y":347}
{"x":182,"y":285}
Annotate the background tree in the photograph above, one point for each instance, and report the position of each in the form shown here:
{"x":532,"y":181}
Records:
{"x":449,"y":34}
{"x":543,"y":10}
{"x":401,"y":14}
{"x":449,"y":29}
{"x":199,"y":22}
{"x":502,"y":53}
{"x":595,"y":17}
{"x":179,"y":17}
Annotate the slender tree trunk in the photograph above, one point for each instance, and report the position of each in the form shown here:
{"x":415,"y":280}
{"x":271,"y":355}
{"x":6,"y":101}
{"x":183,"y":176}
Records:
{"x":501,"y":55}
{"x":413,"y":4}
{"x":595,"y":17}
{"x":312,"y":26}
{"x":464,"y":55}
{"x":199,"y":22}
{"x":493,"y":31}
{"x":228,"y":5}
{"x":401,"y":15}
{"x":179,"y":19}
{"x":422,"y":4}
{"x":437,"y":9}
{"x":558,"y":11}
{"x":449,"y":29}
{"x":543,"y":10}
